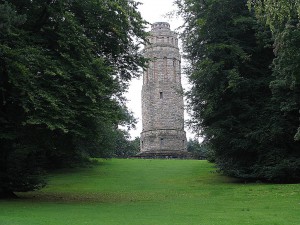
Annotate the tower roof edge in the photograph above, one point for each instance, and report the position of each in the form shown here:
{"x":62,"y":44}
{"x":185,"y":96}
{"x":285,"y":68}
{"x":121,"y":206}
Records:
{"x":160,"y":25}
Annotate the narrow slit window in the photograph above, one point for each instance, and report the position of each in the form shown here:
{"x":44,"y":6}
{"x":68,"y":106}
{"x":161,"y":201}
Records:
{"x":161,"y":95}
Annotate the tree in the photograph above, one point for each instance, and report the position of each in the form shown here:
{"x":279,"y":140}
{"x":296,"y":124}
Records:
{"x":64,"y":67}
{"x":230,"y":53}
{"x":198,"y":150}
{"x":125,"y":147}
{"x":283,"y":19}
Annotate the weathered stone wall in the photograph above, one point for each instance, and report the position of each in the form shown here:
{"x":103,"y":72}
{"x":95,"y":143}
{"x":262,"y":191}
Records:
{"x":162,"y":100}
{"x":170,"y":141}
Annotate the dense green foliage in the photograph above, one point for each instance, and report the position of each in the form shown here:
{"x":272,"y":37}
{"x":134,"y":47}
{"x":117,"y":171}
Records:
{"x":124,"y":146}
{"x":148,"y":192}
{"x":197,"y":149}
{"x":249,"y":126}
{"x":63,"y":68}
{"x":119,"y":145}
{"x":283,"y":18}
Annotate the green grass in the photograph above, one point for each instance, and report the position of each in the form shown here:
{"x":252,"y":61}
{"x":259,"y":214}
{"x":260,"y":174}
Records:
{"x":153,"y":192}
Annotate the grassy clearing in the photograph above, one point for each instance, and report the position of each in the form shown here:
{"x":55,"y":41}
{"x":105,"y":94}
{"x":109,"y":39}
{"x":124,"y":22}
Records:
{"x":153,"y":192}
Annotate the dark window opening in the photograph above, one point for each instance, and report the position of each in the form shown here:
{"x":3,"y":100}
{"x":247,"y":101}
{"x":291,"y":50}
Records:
{"x":161,"y":141}
{"x":161,"y":95}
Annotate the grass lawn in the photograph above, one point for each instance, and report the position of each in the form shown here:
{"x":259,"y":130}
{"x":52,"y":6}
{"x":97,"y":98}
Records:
{"x":153,"y":192}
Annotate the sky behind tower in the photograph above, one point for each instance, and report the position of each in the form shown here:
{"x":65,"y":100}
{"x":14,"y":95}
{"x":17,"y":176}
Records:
{"x":152,"y":11}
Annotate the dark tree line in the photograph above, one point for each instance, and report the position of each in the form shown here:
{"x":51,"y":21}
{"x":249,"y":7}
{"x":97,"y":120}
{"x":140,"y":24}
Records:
{"x":244,"y":70}
{"x":63,"y":68}
{"x":198,"y":150}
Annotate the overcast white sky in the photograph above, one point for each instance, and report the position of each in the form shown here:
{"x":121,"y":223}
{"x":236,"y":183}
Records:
{"x":152,"y":11}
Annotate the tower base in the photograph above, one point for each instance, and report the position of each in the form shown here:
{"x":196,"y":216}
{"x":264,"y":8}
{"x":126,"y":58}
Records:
{"x":163,"y":143}
{"x":164,"y":155}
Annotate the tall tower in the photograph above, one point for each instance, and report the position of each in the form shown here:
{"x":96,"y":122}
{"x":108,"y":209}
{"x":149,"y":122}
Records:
{"x":162,"y":100}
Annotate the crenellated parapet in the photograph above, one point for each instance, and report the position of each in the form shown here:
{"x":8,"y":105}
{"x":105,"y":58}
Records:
{"x":163,"y":52}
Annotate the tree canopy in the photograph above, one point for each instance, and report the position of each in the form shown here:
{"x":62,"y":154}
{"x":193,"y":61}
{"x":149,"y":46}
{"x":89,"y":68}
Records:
{"x":283,"y":18}
{"x":63,"y":68}
{"x":234,"y":98}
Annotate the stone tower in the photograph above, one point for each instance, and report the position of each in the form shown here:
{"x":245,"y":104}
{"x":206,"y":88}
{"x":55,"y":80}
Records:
{"x":162,"y":100}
